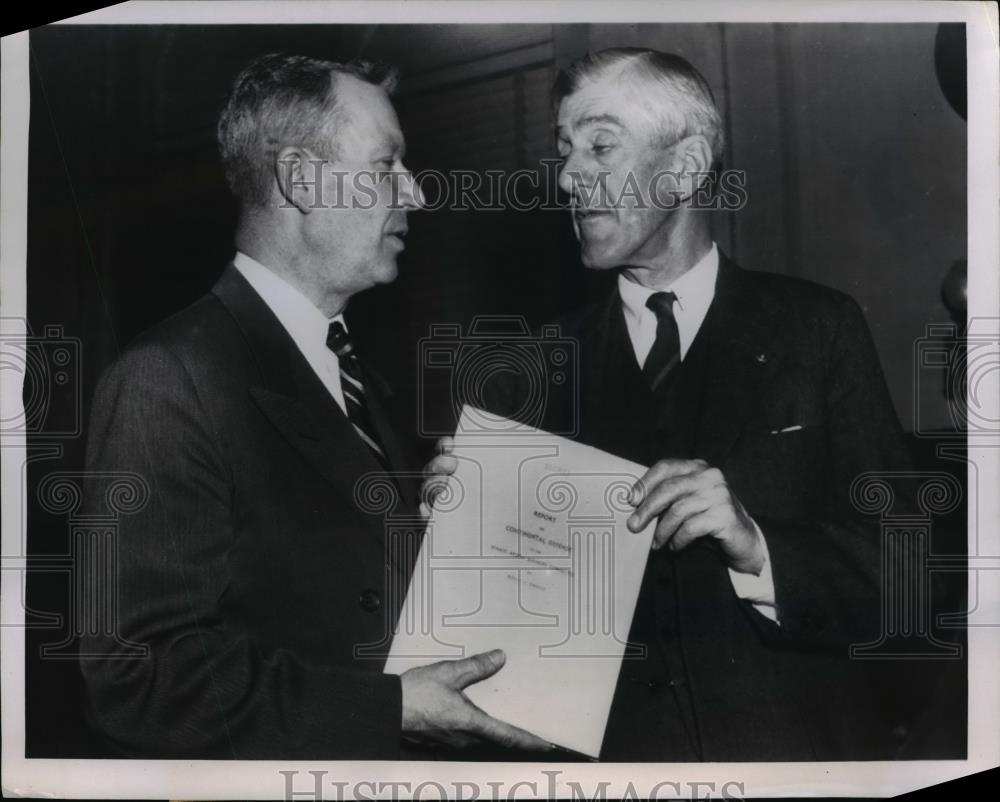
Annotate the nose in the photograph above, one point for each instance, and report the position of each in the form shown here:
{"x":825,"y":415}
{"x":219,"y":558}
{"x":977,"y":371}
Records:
{"x":571,"y":174}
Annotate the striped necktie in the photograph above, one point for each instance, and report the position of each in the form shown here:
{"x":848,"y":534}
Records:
{"x":665,"y":354}
{"x":353,"y":386}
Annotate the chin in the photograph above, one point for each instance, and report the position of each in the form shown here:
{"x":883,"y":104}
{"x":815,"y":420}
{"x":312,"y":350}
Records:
{"x":597,"y":260}
{"x":386,"y":273}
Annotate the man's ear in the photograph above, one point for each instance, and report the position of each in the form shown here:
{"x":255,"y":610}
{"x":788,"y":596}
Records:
{"x":298,"y":178}
{"x":693,"y":160}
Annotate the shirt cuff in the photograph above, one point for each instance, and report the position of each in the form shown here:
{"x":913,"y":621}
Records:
{"x":758,"y":590}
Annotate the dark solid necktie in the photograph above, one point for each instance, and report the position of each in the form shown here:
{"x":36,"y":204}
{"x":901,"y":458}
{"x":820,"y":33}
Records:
{"x":353,"y":386}
{"x":665,"y":355}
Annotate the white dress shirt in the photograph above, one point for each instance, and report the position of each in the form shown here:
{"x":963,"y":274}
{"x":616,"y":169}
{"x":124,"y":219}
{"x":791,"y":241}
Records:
{"x":695,"y":291}
{"x":305,"y":324}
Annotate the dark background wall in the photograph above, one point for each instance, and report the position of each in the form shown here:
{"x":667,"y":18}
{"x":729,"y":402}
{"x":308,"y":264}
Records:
{"x":856,"y":178}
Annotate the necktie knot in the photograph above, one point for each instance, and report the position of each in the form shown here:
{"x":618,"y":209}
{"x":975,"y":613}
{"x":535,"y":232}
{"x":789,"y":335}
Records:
{"x":338,"y":340}
{"x":661,"y":304}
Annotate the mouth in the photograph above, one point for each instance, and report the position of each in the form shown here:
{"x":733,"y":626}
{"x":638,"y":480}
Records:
{"x":398,"y":235}
{"x":586,"y":216}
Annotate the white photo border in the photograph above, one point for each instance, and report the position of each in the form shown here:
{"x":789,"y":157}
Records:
{"x":262,"y":779}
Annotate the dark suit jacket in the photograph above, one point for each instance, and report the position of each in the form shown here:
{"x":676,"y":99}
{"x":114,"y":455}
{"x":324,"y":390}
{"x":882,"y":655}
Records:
{"x":720,"y":681}
{"x":253,"y":571}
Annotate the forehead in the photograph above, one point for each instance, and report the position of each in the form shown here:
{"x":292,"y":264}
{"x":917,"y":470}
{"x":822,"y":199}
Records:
{"x":614,"y":102}
{"x":371,"y":120}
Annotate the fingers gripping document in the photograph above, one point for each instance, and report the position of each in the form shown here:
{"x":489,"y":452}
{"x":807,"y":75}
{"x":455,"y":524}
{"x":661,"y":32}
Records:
{"x":527,"y":551}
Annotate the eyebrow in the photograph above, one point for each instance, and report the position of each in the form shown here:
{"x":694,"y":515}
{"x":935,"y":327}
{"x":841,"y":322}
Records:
{"x":594,"y":119}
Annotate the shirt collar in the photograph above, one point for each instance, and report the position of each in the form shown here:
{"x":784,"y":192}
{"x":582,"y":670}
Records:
{"x":306,"y":324}
{"x":695,"y":289}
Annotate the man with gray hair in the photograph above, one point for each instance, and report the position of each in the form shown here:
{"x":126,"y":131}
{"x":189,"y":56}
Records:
{"x":260,"y":587}
{"x":757,"y":400}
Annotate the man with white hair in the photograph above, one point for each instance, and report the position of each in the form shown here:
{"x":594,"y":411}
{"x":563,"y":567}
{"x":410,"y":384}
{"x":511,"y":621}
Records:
{"x":757,"y":400}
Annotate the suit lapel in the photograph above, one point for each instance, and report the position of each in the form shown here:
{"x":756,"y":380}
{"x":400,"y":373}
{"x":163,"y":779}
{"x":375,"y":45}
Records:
{"x":615,"y":401}
{"x":293,"y":398}
{"x":743,"y":354}
{"x":378,"y":392}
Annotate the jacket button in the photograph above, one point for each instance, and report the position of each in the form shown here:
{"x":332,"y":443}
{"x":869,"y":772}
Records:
{"x":370,"y":601}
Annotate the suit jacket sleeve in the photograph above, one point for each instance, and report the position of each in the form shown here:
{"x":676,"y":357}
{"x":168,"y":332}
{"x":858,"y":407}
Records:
{"x":828,"y":571}
{"x":205,"y":689}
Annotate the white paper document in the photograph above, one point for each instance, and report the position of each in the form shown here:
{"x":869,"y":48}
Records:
{"x":528,"y":551}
